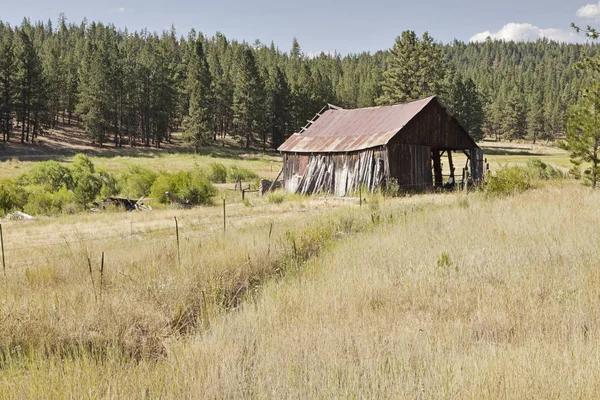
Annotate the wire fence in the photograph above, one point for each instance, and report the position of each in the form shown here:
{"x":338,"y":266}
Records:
{"x":19,"y":249}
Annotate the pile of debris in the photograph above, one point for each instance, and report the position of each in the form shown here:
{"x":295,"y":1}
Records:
{"x":268,"y":186}
{"x":120,"y":203}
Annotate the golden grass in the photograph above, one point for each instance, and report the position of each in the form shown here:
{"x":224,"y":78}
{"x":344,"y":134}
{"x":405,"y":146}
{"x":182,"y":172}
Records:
{"x":435,"y":296}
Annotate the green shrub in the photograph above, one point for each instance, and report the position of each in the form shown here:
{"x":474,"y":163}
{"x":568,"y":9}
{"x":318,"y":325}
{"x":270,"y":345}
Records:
{"x":234,"y":172}
{"x":161,"y":185}
{"x":50,"y":174}
{"x":276,"y":197}
{"x":87,"y":189}
{"x":110,"y":185}
{"x":188,"y":185}
{"x":217,"y":173}
{"x":509,"y":180}
{"x":137,"y":181}
{"x":42,"y":202}
{"x":542,"y":171}
{"x":391,"y":189}
{"x":81,"y":166}
{"x":12,"y":197}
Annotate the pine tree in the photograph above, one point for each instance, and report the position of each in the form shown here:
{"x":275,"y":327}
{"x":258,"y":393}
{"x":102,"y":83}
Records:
{"x":197,"y":123}
{"x":29,"y":83}
{"x":94,"y":97}
{"x":514,"y":121}
{"x":7,"y":81}
{"x":535,"y":117}
{"x":416,"y":69}
{"x":277,"y":99}
{"x":583,"y":134}
{"x":464,"y":100}
{"x":247,"y":97}
{"x":54,"y":73}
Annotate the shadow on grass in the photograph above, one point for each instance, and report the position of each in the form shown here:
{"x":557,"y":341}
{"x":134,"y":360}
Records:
{"x":510,"y":151}
{"x":33,"y":152}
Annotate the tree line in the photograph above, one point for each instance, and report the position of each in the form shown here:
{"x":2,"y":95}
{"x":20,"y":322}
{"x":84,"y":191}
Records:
{"x":139,"y":88}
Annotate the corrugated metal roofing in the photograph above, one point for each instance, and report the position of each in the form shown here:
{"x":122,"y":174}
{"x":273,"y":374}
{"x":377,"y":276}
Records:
{"x":353,"y":130}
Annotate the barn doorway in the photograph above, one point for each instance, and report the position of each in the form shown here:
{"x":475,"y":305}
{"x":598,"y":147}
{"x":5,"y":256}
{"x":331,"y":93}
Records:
{"x":444,"y":162}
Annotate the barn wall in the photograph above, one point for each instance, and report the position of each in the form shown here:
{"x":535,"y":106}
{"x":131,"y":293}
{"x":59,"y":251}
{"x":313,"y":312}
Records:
{"x":335,"y":173}
{"x":477,"y":164}
{"x":410,"y":165}
{"x":435,"y":128}
{"x":343,"y":173}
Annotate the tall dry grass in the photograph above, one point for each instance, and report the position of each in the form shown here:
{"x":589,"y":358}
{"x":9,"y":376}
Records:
{"x":465,"y":298}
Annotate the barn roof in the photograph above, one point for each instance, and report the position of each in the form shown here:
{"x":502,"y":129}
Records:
{"x":342,"y":130}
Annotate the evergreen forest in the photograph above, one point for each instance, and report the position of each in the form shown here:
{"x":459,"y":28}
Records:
{"x":138,"y":88}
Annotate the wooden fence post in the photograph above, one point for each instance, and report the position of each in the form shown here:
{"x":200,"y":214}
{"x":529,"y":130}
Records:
{"x":177,"y":236}
{"x":224,"y":217}
{"x":3,"y":261}
{"x":360,"y":194}
{"x":101,"y":274}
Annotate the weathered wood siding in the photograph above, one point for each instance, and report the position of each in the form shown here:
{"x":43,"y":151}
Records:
{"x":477,"y":162}
{"x":435,"y":128}
{"x":335,"y":173}
{"x":410,"y":165}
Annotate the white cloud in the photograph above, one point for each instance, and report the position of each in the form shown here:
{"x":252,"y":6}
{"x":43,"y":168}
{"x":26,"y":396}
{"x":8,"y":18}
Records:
{"x":528,"y":33}
{"x":120,"y":10}
{"x":590,"y":11}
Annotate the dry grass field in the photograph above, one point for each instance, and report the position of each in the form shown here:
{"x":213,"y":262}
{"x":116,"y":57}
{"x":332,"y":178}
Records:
{"x":430,"y":296}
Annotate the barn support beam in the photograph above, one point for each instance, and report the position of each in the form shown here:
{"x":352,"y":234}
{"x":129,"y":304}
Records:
{"x":437,"y":168}
{"x":451,"y":165}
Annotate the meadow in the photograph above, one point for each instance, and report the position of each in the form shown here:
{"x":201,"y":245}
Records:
{"x":445,"y":295}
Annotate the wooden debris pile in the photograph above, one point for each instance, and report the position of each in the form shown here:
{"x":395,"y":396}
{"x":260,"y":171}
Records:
{"x":266,"y":186}
{"x":120,"y":203}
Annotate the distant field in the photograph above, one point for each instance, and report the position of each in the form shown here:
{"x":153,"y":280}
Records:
{"x":62,"y":145}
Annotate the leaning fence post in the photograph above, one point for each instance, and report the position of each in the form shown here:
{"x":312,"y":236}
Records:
{"x":177,"y":236}
{"x":3,"y":261}
{"x":101,"y":274}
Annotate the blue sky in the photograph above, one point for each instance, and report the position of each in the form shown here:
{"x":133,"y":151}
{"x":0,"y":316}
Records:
{"x":328,"y":25}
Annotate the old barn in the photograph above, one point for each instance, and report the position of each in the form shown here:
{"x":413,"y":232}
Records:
{"x":340,"y":150}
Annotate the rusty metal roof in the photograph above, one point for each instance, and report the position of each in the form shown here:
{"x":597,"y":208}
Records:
{"x":353,"y":130}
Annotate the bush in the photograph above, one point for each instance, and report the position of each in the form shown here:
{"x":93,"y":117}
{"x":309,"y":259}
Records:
{"x":244,"y":174}
{"x":217,"y":173}
{"x":50,"y":174}
{"x":110,"y":185}
{"x":87,"y":189}
{"x":193,"y":186}
{"x":540,"y":170}
{"x":12,"y":197}
{"x":509,"y":180}
{"x":81,"y":166}
{"x":276,"y":197}
{"x":391,"y":189}
{"x":40,"y":201}
{"x":161,"y":185}
{"x":137,"y":182}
